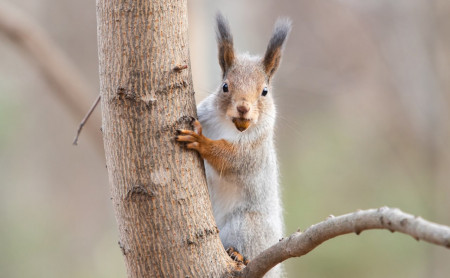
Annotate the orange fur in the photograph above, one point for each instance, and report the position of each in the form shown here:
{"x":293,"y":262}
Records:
{"x":216,"y":152}
{"x":236,"y":256}
{"x":272,"y":61}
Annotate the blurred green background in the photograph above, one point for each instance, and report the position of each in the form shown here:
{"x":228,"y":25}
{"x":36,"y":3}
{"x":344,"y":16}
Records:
{"x":363,"y":103}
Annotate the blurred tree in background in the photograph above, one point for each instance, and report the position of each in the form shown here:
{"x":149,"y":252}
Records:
{"x":363,"y":101}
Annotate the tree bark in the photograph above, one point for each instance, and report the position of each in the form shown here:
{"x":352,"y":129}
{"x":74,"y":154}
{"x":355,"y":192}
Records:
{"x":158,"y":189}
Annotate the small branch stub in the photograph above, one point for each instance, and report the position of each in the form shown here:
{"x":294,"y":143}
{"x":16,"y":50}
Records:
{"x":179,"y":68}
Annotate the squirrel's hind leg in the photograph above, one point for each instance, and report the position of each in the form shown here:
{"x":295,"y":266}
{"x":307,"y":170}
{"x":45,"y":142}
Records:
{"x":236,"y":256}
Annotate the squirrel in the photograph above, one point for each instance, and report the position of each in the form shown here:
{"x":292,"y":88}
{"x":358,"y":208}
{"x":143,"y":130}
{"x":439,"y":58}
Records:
{"x":234,"y":135}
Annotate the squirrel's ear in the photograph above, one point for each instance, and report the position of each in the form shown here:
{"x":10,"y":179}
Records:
{"x":224,"y":43}
{"x":273,"y":53}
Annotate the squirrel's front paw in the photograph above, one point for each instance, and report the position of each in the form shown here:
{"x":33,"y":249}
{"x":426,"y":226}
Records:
{"x":193,"y":139}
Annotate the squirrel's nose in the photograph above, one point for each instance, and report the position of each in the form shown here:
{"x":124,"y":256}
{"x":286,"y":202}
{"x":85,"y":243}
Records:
{"x":242,"y":109}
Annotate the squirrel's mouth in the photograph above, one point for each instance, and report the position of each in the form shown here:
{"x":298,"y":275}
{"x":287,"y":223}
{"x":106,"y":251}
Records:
{"x":241,"y":123}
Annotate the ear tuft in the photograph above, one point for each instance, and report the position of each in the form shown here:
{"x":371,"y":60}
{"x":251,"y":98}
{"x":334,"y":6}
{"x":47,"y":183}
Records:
{"x":224,"y":43}
{"x":274,"y":48}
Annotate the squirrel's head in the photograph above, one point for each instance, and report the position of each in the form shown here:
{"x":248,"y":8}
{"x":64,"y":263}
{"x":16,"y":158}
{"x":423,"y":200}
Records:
{"x":245,"y":95}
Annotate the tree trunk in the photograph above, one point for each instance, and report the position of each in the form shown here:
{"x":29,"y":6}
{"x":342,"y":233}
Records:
{"x":158,"y":189}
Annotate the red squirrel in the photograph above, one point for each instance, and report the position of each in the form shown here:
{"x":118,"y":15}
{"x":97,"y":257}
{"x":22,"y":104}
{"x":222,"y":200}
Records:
{"x":234,"y":135}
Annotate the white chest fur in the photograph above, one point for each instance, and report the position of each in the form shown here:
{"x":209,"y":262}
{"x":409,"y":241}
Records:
{"x":225,"y":195}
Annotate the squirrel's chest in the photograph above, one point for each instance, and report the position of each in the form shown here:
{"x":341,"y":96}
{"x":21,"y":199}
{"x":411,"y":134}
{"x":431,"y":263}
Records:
{"x":225,"y":194}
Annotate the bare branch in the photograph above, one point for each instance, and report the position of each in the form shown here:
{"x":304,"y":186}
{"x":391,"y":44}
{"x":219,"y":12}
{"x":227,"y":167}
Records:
{"x":83,"y":122}
{"x":68,"y":83}
{"x":299,"y":244}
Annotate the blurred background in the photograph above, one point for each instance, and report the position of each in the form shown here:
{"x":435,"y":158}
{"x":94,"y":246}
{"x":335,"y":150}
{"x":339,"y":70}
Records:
{"x":363,"y":96}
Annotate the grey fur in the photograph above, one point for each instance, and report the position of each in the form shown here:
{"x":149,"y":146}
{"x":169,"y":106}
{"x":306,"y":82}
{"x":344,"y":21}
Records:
{"x":273,"y":53}
{"x":223,"y":29}
{"x":224,"y":43}
{"x":281,"y":31}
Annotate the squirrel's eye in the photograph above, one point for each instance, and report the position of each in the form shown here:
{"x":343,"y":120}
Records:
{"x":264,"y":92}
{"x":225,"y":87}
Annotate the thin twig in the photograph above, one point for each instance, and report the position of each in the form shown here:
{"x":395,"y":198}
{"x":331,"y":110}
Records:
{"x":299,"y":244}
{"x":83,"y":122}
{"x":68,"y":82}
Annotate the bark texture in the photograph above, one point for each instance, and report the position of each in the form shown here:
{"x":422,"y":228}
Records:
{"x":158,"y":189}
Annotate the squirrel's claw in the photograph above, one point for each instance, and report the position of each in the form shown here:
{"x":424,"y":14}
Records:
{"x":185,"y":135}
{"x":192,"y":138}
